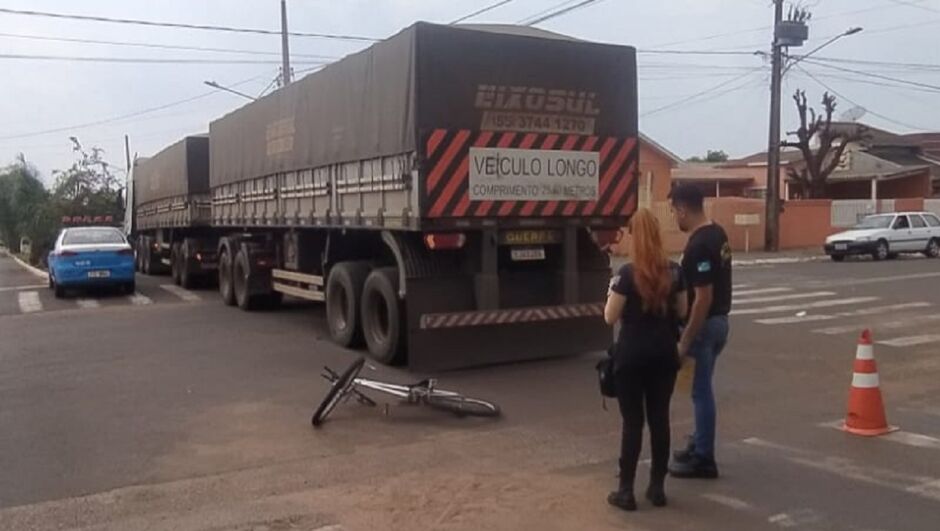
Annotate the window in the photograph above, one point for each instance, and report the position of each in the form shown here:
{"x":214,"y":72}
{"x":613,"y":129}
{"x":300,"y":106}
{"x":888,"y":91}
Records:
{"x":932,"y":220}
{"x":902,"y":223}
{"x":875,"y":222}
{"x":918,"y":222}
{"x":92,"y":236}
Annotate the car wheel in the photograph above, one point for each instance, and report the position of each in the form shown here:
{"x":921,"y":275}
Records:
{"x":881,"y":251}
{"x":51,"y":283}
{"x":59,"y":291}
{"x":933,"y":249}
{"x":129,"y":287}
{"x":838,"y":258}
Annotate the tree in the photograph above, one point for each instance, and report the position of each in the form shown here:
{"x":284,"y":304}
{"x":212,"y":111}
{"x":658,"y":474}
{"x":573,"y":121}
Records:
{"x":22,"y":195}
{"x":89,"y":186}
{"x":819,"y":164}
{"x":711,"y":156}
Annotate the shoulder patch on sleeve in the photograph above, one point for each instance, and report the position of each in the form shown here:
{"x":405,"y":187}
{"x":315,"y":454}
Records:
{"x":704,"y":266}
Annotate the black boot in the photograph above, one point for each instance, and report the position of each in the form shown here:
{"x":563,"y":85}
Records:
{"x":623,"y":496}
{"x":656,"y":492}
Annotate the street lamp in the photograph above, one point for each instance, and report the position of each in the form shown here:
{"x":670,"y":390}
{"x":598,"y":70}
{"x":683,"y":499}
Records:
{"x":215,"y":85}
{"x":798,"y":58}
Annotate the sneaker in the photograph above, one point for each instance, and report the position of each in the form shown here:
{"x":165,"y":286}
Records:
{"x":686,"y":453}
{"x":695,"y":467}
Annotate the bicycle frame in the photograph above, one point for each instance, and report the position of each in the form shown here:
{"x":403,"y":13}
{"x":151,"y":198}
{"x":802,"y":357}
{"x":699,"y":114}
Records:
{"x":411,"y":393}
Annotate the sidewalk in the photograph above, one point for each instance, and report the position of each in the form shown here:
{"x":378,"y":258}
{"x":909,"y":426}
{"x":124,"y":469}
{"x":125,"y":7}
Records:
{"x":34,"y":270}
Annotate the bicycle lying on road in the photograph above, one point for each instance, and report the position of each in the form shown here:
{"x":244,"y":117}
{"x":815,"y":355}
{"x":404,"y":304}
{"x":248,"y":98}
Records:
{"x":346,"y":385}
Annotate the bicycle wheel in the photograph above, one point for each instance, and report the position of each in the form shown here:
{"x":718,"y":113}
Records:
{"x":337,"y":391}
{"x":463,"y":406}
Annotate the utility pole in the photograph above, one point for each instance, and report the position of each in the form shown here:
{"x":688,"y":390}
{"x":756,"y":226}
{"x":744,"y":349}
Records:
{"x":772,"y":217}
{"x":285,"y":47}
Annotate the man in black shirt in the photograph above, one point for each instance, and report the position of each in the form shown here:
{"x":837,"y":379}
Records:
{"x":706,"y":264}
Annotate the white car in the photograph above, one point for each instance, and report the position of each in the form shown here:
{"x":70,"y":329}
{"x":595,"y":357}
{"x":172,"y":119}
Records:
{"x":886,"y":235}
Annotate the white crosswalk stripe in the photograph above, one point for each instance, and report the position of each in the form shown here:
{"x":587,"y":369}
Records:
{"x":761,"y":291}
{"x":186,"y":295}
{"x":788,"y":297}
{"x":29,"y":301}
{"x":139,"y":299}
{"x":87,"y":304}
{"x":806,"y":306}
{"x":874,"y":310}
{"x":911,"y":341}
{"x":888,"y":325}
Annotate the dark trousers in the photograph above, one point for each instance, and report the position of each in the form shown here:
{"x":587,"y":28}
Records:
{"x":644,"y":393}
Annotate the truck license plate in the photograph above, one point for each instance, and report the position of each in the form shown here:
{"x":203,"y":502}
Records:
{"x":842,"y":247}
{"x":99,"y":274}
{"x":525,"y":254}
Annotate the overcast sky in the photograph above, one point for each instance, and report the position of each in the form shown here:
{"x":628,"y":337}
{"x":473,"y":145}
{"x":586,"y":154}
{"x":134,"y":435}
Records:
{"x":44,"y":102}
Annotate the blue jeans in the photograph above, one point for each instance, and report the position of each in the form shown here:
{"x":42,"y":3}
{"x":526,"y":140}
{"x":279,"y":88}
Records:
{"x":705,"y":350}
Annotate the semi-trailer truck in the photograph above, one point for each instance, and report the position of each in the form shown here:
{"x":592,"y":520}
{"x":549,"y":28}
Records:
{"x":447,"y":194}
{"x":172,"y":211}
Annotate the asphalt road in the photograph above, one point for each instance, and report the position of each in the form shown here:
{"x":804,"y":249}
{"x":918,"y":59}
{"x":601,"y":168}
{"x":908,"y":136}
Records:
{"x":168,"y":410}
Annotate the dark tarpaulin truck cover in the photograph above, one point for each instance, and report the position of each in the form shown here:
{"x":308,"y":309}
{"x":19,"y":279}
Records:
{"x":180,"y":169}
{"x":389,"y":98}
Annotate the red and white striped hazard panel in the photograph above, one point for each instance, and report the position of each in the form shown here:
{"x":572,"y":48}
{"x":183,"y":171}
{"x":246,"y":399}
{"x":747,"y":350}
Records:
{"x":612,"y":162}
{"x":517,"y":315}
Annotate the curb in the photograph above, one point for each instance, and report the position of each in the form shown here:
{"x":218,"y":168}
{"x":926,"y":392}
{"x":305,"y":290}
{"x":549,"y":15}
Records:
{"x":36,"y":271}
{"x":781,"y":260}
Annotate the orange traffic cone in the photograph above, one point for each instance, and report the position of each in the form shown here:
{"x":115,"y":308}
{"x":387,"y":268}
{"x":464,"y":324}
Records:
{"x":866,"y":414}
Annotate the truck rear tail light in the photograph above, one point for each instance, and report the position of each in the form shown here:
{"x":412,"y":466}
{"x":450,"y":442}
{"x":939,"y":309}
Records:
{"x":68,"y":253}
{"x":445,"y":241}
{"x":126,"y":252}
{"x":199,"y":257}
{"x":606,"y":237}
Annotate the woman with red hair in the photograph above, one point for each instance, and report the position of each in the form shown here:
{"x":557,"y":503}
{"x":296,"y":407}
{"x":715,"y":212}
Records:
{"x":648,"y":298}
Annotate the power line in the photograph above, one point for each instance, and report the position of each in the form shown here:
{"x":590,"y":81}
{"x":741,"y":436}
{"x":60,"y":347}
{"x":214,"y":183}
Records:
{"x":478,"y":12}
{"x":158,"y":46}
{"x":143,"y":60}
{"x":873,"y":113}
{"x":913,"y":66}
{"x":705,"y":92}
{"x":879,"y":76}
{"x":180,"y":25}
{"x":562,"y":11}
{"x":916,"y":5}
{"x":547,"y":10}
{"x":765,"y":28}
{"x":693,"y":52}
{"x":125,"y":116}
{"x":876,"y":83}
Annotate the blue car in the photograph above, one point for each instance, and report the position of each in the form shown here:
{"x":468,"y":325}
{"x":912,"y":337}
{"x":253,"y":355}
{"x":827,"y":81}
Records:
{"x":89,"y":257}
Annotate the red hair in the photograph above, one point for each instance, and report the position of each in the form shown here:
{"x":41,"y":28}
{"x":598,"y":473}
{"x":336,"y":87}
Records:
{"x":651,"y":274}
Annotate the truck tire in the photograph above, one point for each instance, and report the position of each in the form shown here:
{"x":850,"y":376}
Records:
{"x":383,"y":316}
{"x":225,"y":277}
{"x":175,"y":263}
{"x":343,"y":293}
{"x":145,"y":259}
{"x":241,"y":270}
{"x":187,"y":279}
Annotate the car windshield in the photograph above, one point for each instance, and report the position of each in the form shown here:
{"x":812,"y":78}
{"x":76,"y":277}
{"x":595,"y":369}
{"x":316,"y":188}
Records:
{"x":92,"y":236}
{"x":875,"y":222}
